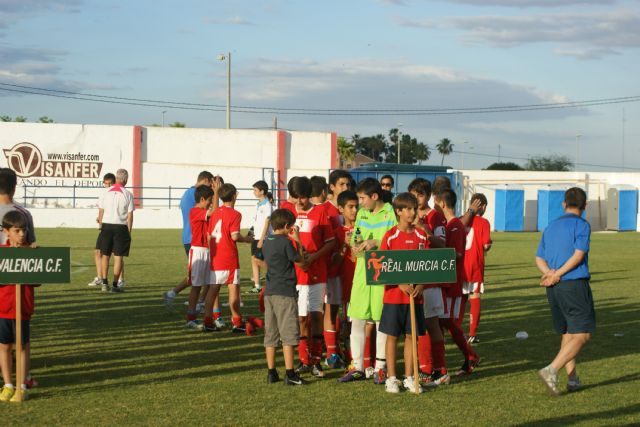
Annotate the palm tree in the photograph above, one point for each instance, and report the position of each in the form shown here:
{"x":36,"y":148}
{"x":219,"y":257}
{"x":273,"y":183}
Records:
{"x":445,"y":147}
{"x":346,"y":150}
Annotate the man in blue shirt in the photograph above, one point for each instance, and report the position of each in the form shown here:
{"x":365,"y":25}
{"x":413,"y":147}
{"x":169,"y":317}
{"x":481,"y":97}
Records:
{"x":562,"y":257}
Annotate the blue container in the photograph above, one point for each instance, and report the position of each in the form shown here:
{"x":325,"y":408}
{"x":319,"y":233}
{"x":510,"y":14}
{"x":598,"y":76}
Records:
{"x":549,"y":206}
{"x":509,"y":210}
{"x":622,"y":208}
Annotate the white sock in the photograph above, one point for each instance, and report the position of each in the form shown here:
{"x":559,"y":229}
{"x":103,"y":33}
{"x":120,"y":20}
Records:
{"x":9,"y":385}
{"x":381,"y":348}
{"x":24,"y":387}
{"x":357,"y":343}
{"x":257,"y":285}
{"x":171,"y":294}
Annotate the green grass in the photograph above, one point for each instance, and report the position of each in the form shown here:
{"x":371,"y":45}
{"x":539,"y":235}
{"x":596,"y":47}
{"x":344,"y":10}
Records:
{"x":105,"y":359}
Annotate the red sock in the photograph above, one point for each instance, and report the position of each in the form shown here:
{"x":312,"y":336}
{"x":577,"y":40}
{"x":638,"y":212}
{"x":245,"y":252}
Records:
{"x":424,"y":353}
{"x":191,"y":317}
{"x":303,"y":350}
{"x":256,"y":322}
{"x":237,"y":321}
{"x":331,"y":339}
{"x":474,"y":316}
{"x":460,"y":340}
{"x":208,"y":321}
{"x":463,"y":307}
{"x":216,"y":315}
{"x":437,"y":354}
{"x":367,"y":352}
{"x":316,"y":349}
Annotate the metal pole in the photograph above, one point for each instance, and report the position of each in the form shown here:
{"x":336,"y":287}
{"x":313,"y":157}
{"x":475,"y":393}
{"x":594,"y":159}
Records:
{"x":623,"y":123}
{"x":577,"y":150}
{"x":229,"y":90}
{"x":399,"y":138}
{"x":163,"y":118}
{"x":499,"y":150}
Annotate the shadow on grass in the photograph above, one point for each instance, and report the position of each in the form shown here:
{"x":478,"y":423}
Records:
{"x":585,"y":417}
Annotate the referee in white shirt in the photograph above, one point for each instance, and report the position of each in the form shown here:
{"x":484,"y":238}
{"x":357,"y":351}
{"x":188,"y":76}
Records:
{"x":115,"y":216}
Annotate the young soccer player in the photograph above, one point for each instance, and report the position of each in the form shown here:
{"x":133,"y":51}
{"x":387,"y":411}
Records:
{"x":14,"y":228}
{"x":433,"y":366}
{"x":456,"y":237}
{"x":339,"y":181}
{"x":107,"y":181}
{"x":281,"y":309}
{"x":290,"y":203}
{"x":317,"y":240}
{"x":562,"y":258}
{"x":223,"y":233}
{"x":478,"y":242}
{"x":396,"y":314}
{"x":374,"y":219}
{"x":199,"y":265}
{"x":260,"y":230}
{"x":8,"y":182}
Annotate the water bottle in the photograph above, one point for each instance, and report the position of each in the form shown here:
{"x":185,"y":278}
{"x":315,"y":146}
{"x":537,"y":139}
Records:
{"x":357,"y":237}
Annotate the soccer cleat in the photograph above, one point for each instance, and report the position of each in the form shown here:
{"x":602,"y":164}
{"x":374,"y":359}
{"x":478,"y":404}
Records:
{"x":195,"y":325}
{"x":468,"y":366}
{"x":369,"y":372}
{"x":392,"y":385}
{"x":573,"y":384}
{"x":31,"y":382}
{"x":6,"y":394}
{"x":550,"y":380}
{"x":303,"y":368}
{"x":294,"y":380}
{"x":168,"y":300}
{"x":379,"y":376}
{"x":239,"y":329}
{"x":249,"y":329}
{"x":254,"y":290}
{"x":439,"y":378}
{"x":334,"y":362}
{"x":272,"y":377}
{"x":219,"y":322}
{"x":473,"y":340}
{"x":14,"y":398}
{"x":95,"y":282}
{"x":425,"y":379}
{"x":352,"y":375}
{"x":122,"y":283}
{"x":210,"y":328}
{"x":116,"y":290}
{"x":410,"y":385}
{"x":256,"y":322}
{"x":105,"y":286}
{"x":317,"y":371}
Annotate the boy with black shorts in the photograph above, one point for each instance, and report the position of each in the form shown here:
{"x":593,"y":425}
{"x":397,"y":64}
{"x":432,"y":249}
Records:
{"x":107,"y":181}
{"x":562,"y":257}
{"x":281,"y":308}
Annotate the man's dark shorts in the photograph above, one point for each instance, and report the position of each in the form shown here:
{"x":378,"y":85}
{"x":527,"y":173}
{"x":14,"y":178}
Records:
{"x":571,"y":306}
{"x":187,"y":248}
{"x":8,"y":331}
{"x":114,"y":238}
{"x":396,"y":319}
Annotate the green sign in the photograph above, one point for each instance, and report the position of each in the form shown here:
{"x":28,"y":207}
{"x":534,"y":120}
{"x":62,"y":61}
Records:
{"x":35,"y":266}
{"x":411,"y":266}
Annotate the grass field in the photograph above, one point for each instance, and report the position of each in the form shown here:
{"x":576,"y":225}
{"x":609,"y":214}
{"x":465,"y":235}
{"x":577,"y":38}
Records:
{"x":122,"y":359}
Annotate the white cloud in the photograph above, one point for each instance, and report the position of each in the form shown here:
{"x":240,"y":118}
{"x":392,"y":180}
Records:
{"x":234,"y":20}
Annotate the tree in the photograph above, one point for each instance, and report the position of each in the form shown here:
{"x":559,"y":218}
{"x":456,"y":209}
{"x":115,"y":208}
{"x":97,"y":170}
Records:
{"x":346,"y":150}
{"x":178,"y":125}
{"x":372,"y":146}
{"x":553,"y":162}
{"x":5,"y":119}
{"x":445,"y":147}
{"x":45,"y":119}
{"x":411,"y":150}
{"x":20,"y":119}
{"x":504,"y":166}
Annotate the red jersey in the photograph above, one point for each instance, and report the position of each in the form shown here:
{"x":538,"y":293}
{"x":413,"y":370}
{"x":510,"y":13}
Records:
{"x":199,"y":224}
{"x":315,"y":231}
{"x":289,"y":206}
{"x":436,"y":223}
{"x":394,"y":239}
{"x":348,"y":265}
{"x":224,"y":222}
{"x":478,"y":235}
{"x":8,"y":299}
{"x":333,"y":213}
{"x":456,"y":239}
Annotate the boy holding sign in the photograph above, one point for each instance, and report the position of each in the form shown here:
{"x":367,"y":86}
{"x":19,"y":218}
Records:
{"x":14,"y":227}
{"x":396,"y":310}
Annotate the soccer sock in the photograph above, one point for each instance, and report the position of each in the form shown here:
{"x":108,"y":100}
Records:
{"x":273,"y":371}
{"x":381,"y":348}
{"x":9,"y":385}
{"x":237,"y":321}
{"x":105,"y":280}
{"x":191,"y":315}
{"x":330,"y":338}
{"x":463,"y":308}
{"x":208,"y":320}
{"x":303,"y":350}
{"x":316,"y":349}
{"x":216,"y":313}
{"x":357,"y":343}
{"x":424,"y":353}
{"x":474,"y":316}
{"x":437,"y":353}
{"x":291,"y":373}
{"x":459,"y":339}
{"x":367,"y":352}
{"x":115,"y":284}
{"x":257,"y":285}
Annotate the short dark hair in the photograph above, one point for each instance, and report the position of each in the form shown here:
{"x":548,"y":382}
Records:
{"x":386,"y":196}
{"x":575,"y":197}
{"x":14,"y":219}
{"x":405,"y":200}
{"x":262,"y":186}
{"x":481,"y":197}
{"x":449,"y":197}
{"x":346,"y":196}
{"x":203,"y":192}
{"x":318,"y":185}
{"x":280,"y":218}
{"x":8,"y":181}
{"x":205,"y":175}
{"x":337,"y":174}
{"x":369,"y":186}
{"x":421,"y":186}
{"x":441,"y":183}
{"x":301,"y":187}
{"x":388,"y":177}
{"x":227,"y":192}
{"x":290,"y":184}
{"x":109,"y":177}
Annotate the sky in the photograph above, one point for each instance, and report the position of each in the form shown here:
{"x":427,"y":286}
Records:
{"x":342,"y":55}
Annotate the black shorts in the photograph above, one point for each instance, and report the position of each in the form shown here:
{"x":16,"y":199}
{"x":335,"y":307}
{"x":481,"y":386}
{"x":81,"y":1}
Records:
{"x":98,"y":242}
{"x":396,"y":319}
{"x":187,"y":248}
{"x":114,"y":238}
{"x":571,"y":306}
{"x":8,"y":331}
{"x":255,"y":251}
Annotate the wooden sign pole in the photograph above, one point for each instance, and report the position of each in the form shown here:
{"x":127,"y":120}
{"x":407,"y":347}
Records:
{"x":19,"y":367}
{"x":414,"y":346}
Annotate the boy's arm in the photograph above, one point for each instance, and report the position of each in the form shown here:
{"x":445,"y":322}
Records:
{"x":474,"y":207}
{"x":215,"y":186}
{"x":265,"y":229}
{"x":323,"y":251}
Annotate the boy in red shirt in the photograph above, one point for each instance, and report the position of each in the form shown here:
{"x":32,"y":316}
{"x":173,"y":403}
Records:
{"x":396,"y":315}
{"x":14,"y":227}
{"x":317,"y":239}
{"x":478,"y":242}
{"x":290,"y":203}
{"x":223,"y":233}
{"x":456,"y":237}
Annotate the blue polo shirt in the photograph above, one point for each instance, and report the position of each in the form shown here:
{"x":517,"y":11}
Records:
{"x":559,"y":241}
{"x":187,"y":202}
